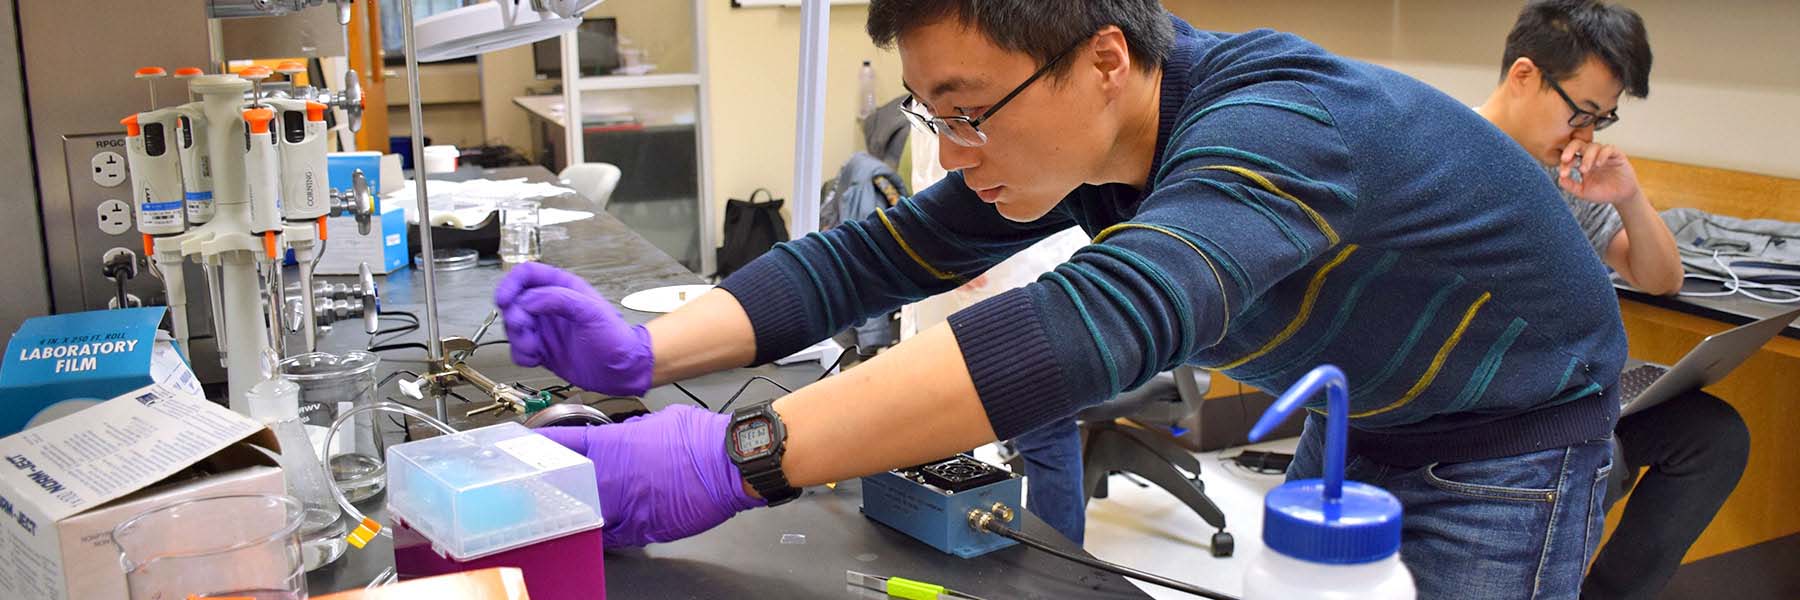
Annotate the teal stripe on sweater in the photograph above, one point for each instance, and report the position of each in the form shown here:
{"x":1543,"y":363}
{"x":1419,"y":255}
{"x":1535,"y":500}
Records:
{"x":1293,"y":237}
{"x":1584,"y":392}
{"x":1184,"y":314}
{"x":1217,"y":253}
{"x":1489,"y":366}
{"x":818,"y":284}
{"x":1256,"y":308}
{"x":1300,"y":109}
{"x":1567,"y":371}
{"x":881,"y":255}
{"x":1259,"y":160}
{"x":843,"y":269}
{"x":943,"y":235}
{"x":1412,"y":339}
{"x":1149,"y":369}
{"x":1106,"y":358}
{"x":1346,"y":308}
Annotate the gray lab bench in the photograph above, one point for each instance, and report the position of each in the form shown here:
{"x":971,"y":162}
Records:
{"x":747,"y":556}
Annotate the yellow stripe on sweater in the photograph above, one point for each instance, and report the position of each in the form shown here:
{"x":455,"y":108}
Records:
{"x":1300,"y":318}
{"x":920,"y":260}
{"x":1437,"y":362}
{"x":1318,"y":221}
{"x":1224,"y":298}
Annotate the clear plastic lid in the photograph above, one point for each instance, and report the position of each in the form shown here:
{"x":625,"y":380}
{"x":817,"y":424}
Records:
{"x":491,"y":489}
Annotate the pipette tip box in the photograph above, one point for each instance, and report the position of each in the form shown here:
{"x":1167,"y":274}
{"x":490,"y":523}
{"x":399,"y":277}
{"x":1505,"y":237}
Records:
{"x":488,"y":490}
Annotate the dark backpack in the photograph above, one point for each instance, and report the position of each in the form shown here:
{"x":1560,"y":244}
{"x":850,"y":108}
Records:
{"x":751,"y":228}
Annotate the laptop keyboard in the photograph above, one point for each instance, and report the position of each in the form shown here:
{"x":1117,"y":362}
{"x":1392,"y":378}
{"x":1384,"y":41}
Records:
{"x":1635,"y":380}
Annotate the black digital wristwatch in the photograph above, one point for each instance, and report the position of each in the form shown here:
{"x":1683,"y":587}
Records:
{"x":755,"y":441}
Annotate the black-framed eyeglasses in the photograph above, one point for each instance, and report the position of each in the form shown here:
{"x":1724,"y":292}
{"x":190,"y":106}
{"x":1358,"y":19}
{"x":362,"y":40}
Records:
{"x":964,"y":130}
{"x":1583,"y":118}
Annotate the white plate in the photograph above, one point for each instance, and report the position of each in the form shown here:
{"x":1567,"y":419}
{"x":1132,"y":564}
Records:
{"x":663,"y":299}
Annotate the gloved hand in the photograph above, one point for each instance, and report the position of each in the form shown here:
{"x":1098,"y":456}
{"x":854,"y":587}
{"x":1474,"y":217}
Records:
{"x":556,"y":320}
{"x":663,"y":476}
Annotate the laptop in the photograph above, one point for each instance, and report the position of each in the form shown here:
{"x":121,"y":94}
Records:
{"x":1643,"y":384}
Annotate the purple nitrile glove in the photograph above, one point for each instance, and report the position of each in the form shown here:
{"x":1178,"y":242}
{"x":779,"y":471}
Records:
{"x":663,"y":476}
{"x":556,"y":320}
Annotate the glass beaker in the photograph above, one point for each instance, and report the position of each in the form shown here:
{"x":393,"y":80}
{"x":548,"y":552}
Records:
{"x":244,"y":546}
{"x":520,"y":239}
{"x":330,"y":385}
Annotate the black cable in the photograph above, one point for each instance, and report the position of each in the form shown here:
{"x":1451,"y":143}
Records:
{"x":399,"y":346}
{"x":409,"y":324}
{"x":391,"y":377}
{"x":746,"y":386}
{"x":1002,"y":530}
{"x":691,"y":396}
{"x":837,"y":365}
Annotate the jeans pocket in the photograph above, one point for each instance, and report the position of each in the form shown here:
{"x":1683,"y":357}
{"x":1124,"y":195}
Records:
{"x":1596,"y":516}
{"x":1471,"y":480}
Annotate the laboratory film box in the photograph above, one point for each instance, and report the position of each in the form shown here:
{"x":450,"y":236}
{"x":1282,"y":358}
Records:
{"x":346,"y":247}
{"x":66,"y":484}
{"x":59,"y":364}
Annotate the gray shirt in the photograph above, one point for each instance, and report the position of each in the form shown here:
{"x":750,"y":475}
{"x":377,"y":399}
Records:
{"x":1599,"y":221}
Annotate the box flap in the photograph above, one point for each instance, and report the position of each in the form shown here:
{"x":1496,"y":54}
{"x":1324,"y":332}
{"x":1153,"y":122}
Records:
{"x":136,"y":439}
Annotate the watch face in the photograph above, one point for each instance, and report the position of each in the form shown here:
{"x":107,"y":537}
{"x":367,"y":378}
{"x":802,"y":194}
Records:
{"x":753,"y":437}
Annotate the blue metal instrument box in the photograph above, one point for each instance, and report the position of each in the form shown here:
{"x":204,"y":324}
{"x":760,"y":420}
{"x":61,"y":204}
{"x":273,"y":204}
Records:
{"x":932,"y":502}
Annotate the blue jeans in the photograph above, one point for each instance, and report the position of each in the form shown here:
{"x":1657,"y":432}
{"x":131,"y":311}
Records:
{"x":1052,"y":456}
{"x":1511,"y":527}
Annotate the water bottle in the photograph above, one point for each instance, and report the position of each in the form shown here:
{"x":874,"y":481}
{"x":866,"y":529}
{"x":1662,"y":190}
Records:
{"x":1326,"y":538}
{"x":866,"y":92}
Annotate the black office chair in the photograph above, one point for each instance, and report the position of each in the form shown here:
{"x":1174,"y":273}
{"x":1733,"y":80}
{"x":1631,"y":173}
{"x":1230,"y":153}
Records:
{"x":1109,"y":447}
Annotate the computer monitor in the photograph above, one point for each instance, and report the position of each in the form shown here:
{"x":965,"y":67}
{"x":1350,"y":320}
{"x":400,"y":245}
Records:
{"x":599,"y":50}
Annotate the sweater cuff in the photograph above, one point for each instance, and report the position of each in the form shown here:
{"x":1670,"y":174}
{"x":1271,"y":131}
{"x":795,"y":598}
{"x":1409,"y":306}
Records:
{"x":1010,"y":359}
{"x":778,"y":315}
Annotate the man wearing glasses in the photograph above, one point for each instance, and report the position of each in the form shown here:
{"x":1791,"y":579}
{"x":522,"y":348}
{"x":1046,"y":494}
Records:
{"x":1567,"y":62}
{"x":1258,"y":206}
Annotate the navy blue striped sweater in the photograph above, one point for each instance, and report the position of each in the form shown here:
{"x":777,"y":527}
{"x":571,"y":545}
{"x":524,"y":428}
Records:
{"x":1302,"y":208}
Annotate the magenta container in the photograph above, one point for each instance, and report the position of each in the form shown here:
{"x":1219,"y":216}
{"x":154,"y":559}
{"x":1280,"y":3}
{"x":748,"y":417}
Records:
{"x":571,"y":567}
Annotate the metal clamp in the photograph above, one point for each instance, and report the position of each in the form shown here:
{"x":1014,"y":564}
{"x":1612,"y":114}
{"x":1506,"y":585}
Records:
{"x":334,"y":302}
{"x":358,"y":201}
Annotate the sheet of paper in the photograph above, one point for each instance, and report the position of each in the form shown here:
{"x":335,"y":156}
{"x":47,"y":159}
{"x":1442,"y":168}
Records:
{"x":141,"y":437}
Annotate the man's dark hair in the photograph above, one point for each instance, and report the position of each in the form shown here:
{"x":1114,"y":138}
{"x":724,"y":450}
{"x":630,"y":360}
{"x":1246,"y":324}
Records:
{"x":1559,"y":35}
{"x":1040,"y":28}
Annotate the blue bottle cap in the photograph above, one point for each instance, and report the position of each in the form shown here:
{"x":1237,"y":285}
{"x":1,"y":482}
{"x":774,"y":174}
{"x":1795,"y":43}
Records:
{"x":1328,"y":520}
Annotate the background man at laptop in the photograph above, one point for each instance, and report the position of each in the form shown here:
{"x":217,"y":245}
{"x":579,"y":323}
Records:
{"x":1566,"y":64}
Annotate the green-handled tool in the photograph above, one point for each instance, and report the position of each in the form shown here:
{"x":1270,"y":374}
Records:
{"x":903,"y":588}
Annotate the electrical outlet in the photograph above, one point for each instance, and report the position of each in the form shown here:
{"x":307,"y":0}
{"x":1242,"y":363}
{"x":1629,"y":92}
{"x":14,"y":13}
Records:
{"x":130,"y":299}
{"x":115,"y":217}
{"x":109,"y":168}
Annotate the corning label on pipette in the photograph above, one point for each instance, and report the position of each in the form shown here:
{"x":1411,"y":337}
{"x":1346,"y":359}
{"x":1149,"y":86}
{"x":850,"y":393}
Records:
{"x":538,"y":451}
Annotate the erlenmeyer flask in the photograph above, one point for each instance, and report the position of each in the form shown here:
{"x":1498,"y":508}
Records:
{"x":276,"y":402}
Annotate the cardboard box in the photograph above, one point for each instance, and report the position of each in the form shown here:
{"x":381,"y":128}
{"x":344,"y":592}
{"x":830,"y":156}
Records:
{"x":66,"y":484}
{"x":384,"y":248}
{"x":59,"y":364}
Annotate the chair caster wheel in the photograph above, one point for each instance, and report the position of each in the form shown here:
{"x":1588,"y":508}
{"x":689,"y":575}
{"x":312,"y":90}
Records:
{"x":1222,"y":545}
